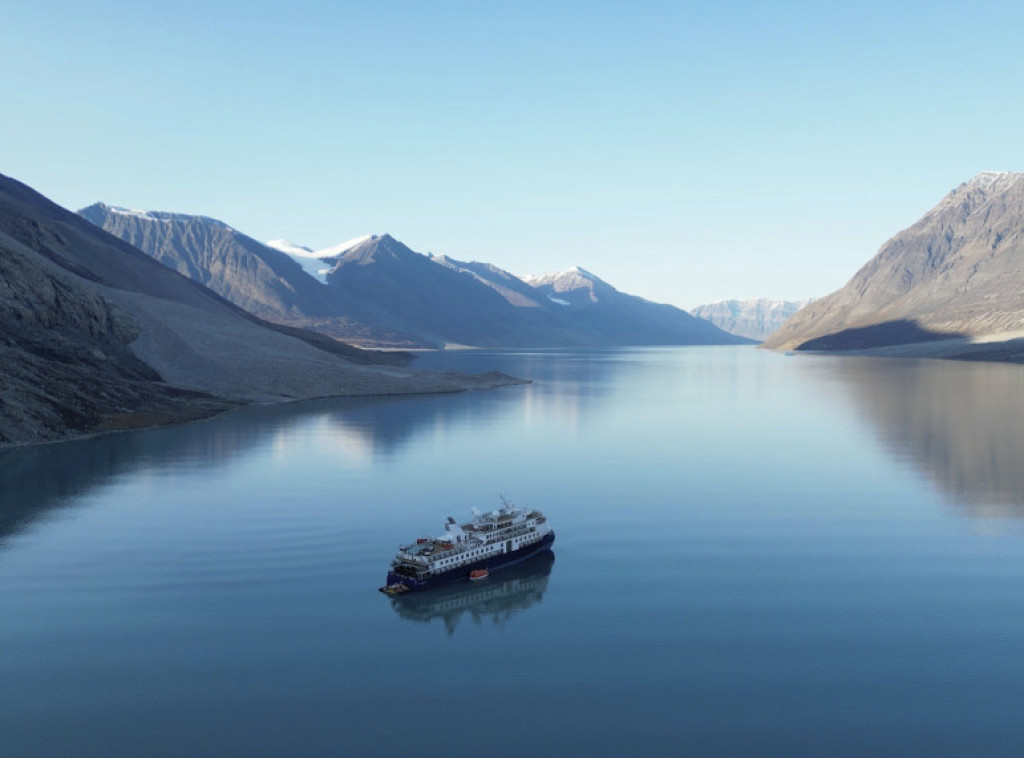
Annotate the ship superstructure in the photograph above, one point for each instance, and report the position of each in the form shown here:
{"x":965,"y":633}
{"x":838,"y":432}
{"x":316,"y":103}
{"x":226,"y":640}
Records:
{"x":490,"y":541}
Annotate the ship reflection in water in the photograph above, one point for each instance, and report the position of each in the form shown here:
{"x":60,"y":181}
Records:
{"x":496,"y":599}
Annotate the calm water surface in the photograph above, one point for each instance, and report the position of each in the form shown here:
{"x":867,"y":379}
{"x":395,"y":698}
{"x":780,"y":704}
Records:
{"x":757,"y":555}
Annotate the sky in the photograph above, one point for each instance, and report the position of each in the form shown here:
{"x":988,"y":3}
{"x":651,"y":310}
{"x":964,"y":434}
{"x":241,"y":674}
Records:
{"x":686,"y":152}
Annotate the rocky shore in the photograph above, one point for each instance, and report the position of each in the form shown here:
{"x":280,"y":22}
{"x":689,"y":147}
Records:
{"x":96,"y":336}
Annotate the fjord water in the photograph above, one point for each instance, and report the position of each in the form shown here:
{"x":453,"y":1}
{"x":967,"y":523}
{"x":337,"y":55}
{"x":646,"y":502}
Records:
{"x":756,"y":554}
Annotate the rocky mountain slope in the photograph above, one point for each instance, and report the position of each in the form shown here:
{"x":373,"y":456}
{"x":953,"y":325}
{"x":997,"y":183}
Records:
{"x":957,"y":272}
{"x":376,"y":290}
{"x":96,"y":335}
{"x":755,"y":318}
{"x":270,"y":283}
{"x":411,"y":293}
{"x":597,"y":307}
{"x":447,"y":301}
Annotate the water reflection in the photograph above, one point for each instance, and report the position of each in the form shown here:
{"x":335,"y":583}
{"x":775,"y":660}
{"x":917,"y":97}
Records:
{"x":569,"y":385}
{"x":959,"y":423}
{"x":361,"y":430}
{"x":36,"y":480}
{"x":496,"y":599}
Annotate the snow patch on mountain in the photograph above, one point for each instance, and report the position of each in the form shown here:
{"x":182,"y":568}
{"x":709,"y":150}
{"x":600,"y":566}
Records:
{"x":289,"y":247}
{"x":572,"y":278}
{"x":344,"y":247}
{"x":309,"y":260}
{"x":317,"y":263}
{"x":163,"y":216}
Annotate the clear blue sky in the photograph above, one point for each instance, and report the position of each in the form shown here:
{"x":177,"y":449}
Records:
{"x":686,"y":152}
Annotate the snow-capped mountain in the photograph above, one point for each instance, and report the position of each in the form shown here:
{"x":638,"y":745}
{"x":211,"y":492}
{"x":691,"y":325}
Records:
{"x":263,"y":281}
{"x":572,"y":278}
{"x":374,"y":290}
{"x":755,"y":318}
{"x":573,"y":287}
{"x":594,"y":304}
{"x":571,"y":307}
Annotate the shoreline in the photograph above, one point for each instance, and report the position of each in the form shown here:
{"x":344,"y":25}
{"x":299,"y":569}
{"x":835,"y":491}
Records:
{"x":1002,"y":348}
{"x":121,"y":423}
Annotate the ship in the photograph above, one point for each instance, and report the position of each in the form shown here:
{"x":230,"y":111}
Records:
{"x":490,"y":541}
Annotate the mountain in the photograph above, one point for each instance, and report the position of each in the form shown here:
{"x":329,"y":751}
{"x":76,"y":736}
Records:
{"x":597,"y":308}
{"x":446,"y":301}
{"x":512,"y":288}
{"x":96,"y":335}
{"x":755,"y":319}
{"x":411,"y":293}
{"x":278,"y":283}
{"x":374,"y":290}
{"x":263,"y":281}
{"x":957,"y":272}
{"x":316,"y":263}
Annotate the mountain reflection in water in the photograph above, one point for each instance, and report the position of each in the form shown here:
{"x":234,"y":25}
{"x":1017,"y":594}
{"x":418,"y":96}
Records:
{"x":497,"y":598}
{"x":37,"y":480}
{"x":958,"y":423}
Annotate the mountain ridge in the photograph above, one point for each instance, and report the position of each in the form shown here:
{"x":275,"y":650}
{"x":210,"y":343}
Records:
{"x":375,"y":290}
{"x":755,"y":318}
{"x":957,"y":272}
{"x":264,"y":281}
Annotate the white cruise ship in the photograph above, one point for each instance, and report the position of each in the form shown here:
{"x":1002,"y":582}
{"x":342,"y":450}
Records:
{"x":489,"y":542}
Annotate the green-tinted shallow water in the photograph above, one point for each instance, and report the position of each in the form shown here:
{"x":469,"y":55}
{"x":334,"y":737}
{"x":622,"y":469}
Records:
{"x":757,"y":555}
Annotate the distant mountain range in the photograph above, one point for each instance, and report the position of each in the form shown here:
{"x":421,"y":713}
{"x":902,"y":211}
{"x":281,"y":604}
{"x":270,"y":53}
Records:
{"x":956,"y":273}
{"x":755,"y":319}
{"x":96,"y":335}
{"x":374,"y":290}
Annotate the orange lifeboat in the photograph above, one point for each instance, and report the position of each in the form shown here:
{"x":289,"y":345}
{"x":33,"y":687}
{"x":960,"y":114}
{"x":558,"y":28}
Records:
{"x":477,"y":575}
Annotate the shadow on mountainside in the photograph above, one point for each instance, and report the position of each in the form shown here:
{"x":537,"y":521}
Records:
{"x":901,"y":332}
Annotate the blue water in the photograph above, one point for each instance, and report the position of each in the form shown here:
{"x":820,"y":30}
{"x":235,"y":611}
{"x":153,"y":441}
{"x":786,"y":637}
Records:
{"x":756,"y":555}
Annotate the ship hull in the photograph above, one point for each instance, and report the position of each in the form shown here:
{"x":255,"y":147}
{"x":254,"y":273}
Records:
{"x":461,"y":573}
